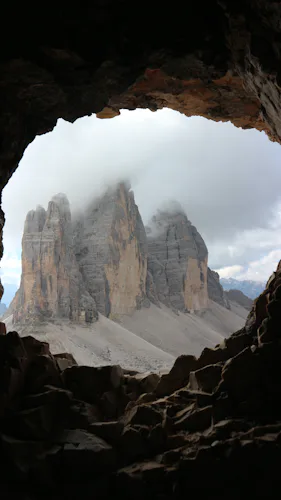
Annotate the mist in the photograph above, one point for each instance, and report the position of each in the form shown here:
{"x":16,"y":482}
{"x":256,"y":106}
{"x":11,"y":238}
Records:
{"x":226,"y":179}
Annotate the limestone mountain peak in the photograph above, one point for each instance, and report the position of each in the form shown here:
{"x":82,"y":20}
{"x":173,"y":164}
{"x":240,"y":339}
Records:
{"x":106,"y":261}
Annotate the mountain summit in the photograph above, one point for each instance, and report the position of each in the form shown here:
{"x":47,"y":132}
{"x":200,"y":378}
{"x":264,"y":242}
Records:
{"x":105,"y":261}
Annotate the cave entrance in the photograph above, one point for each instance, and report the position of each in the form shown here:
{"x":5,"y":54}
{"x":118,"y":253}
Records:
{"x":214,"y":171}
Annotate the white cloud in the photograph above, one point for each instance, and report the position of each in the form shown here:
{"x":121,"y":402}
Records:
{"x":227,"y":179}
{"x":10,"y":270}
{"x":258,"y":270}
{"x":229,"y":272}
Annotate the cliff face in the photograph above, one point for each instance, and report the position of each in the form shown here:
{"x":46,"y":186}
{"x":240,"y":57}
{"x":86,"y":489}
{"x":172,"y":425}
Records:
{"x":51,"y":284}
{"x":106,"y":261}
{"x":111,"y":250}
{"x":215,"y":290}
{"x":240,"y":298}
{"x":177,"y":262}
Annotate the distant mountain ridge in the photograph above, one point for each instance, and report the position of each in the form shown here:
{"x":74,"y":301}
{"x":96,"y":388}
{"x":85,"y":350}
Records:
{"x":105,"y":261}
{"x":240,"y":298}
{"x":251,"y":289}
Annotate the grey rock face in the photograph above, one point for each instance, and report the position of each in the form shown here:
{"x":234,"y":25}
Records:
{"x":215,"y":290}
{"x":111,"y":250}
{"x":51,"y":283}
{"x":240,"y":298}
{"x":177,"y":262}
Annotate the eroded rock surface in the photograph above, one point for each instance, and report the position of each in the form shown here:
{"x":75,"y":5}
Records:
{"x":51,"y":284}
{"x":177,"y":262}
{"x":240,"y":298}
{"x":209,"y":426}
{"x":111,"y":250}
{"x":215,"y":290}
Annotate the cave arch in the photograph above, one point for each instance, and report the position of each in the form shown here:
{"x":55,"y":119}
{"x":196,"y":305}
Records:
{"x":220,"y":61}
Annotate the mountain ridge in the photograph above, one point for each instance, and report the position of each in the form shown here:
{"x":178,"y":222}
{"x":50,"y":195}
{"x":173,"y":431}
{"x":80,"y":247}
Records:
{"x":250,"y":288}
{"x":104,"y":261}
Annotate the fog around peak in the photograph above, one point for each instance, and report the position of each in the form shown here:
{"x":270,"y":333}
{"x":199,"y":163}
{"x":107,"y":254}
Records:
{"x":226,"y":180}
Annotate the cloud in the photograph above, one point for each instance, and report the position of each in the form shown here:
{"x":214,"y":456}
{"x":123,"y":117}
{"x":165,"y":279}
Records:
{"x":227,"y":179}
{"x":10,"y":269}
{"x":258,"y":270}
{"x":229,"y":272}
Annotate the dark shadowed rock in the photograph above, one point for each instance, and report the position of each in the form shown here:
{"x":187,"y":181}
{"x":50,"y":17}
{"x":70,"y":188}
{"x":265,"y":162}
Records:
{"x":206,"y":379}
{"x":240,"y":298}
{"x":178,"y":375}
{"x":143,"y":415}
{"x":215,"y":290}
{"x":65,"y":360}
{"x":89,"y":383}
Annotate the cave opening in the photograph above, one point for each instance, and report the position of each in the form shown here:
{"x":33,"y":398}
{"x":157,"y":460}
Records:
{"x":211,"y":172}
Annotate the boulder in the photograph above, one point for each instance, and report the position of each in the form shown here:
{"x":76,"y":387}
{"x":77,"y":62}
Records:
{"x":82,"y":456}
{"x":89,"y":383}
{"x":178,"y":375}
{"x":109,"y":431}
{"x":194,"y":421}
{"x":132,"y":443}
{"x":3,"y":330}
{"x":35,"y":347}
{"x":206,"y":379}
{"x":142,"y":383}
{"x":41,"y":371}
{"x":143,"y":415}
{"x":65,"y":360}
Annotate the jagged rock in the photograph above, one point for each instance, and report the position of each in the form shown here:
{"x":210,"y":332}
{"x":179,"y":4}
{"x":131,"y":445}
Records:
{"x":42,"y":371}
{"x":51,"y":284}
{"x":34,"y":347}
{"x":240,"y":298}
{"x":143,"y":415}
{"x":82,"y":415}
{"x":177,"y":262}
{"x":132,"y":443}
{"x":65,"y":360}
{"x":190,"y":433}
{"x":2,"y":328}
{"x":111,"y":250}
{"x":194,"y":421}
{"x":89,"y":383}
{"x":110,"y":431}
{"x":206,"y":379}
{"x":82,"y":455}
{"x":228,"y":349}
{"x":43,"y":417}
{"x":142,"y":383}
{"x":215,"y":290}
{"x":177,"y":377}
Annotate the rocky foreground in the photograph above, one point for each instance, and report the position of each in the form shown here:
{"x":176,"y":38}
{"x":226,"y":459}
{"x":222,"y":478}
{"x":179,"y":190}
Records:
{"x":211,"y":425}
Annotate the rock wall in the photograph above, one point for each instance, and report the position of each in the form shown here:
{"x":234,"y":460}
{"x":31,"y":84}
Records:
{"x":215,"y":290}
{"x":177,"y":262}
{"x":210,"y":427}
{"x":240,"y":298}
{"x":110,"y":247}
{"x":51,"y":284}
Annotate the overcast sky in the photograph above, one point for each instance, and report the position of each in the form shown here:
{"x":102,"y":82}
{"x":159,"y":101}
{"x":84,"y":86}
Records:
{"x":227,"y":179}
